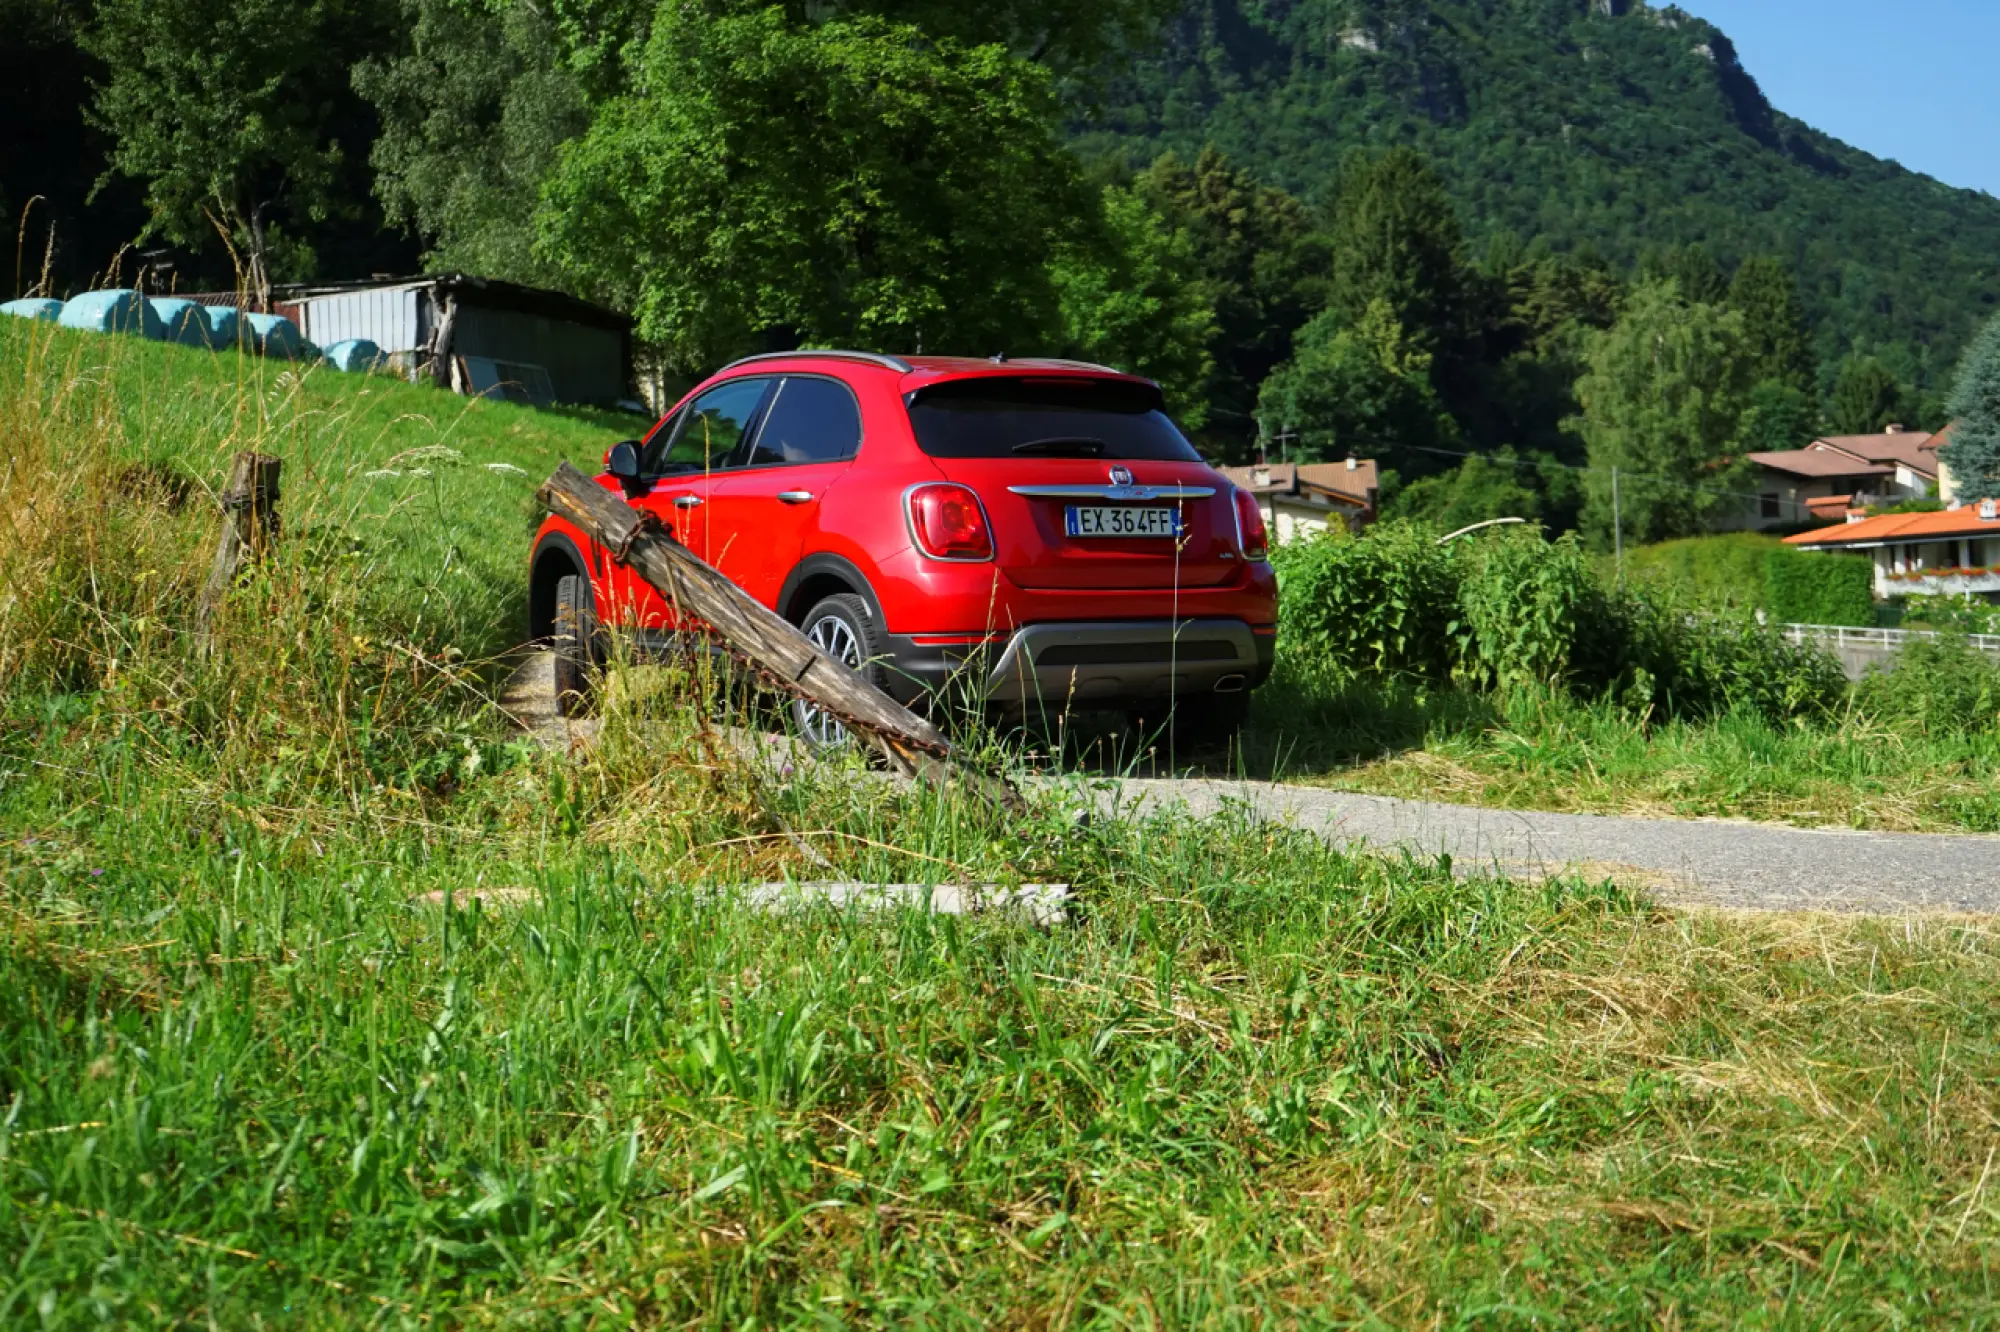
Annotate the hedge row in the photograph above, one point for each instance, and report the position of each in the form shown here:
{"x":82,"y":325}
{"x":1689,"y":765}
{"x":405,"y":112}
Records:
{"x":1510,"y":607}
{"x":1758,"y":572}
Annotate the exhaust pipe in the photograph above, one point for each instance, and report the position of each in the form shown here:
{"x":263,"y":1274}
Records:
{"x":1229,"y":684}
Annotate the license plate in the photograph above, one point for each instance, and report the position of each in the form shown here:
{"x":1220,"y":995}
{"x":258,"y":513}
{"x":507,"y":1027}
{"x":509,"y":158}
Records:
{"x":1103,"y":520}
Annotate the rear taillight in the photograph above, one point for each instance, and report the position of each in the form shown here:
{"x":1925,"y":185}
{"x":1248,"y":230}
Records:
{"x":1250,"y":532}
{"x":948,"y":523}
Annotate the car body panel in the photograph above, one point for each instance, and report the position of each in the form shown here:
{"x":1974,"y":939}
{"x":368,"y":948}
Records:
{"x":940,"y":614}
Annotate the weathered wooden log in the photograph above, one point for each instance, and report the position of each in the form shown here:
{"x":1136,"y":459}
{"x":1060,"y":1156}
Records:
{"x":775,"y":648}
{"x":249,"y":525}
{"x":441,"y":357}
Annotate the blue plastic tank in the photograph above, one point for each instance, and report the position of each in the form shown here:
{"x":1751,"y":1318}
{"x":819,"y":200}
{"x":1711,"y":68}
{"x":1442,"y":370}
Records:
{"x":182,"y":320}
{"x":355,"y":356}
{"x":278,"y":337}
{"x":34,"y":307}
{"x":114,"y":311}
{"x":225,"y":326}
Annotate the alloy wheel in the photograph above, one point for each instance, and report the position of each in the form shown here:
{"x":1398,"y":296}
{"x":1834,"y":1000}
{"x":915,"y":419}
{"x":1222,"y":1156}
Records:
{"x":836,"y":637}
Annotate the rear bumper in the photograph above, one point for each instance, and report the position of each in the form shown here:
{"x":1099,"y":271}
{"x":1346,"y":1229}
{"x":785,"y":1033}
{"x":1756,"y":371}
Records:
{"x":1087,"y":664}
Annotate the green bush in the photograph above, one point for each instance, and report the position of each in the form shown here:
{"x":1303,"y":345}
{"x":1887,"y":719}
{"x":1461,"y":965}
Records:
{"x":1966,"y":614}
{"x":1804,"y":587}
{"x":1522,"y":602}
{"x":1659,"y":652}
{"x":1941,"y":686}
{"x":1724,"y":570}
{"x":1384,"y":603}
{"x":1513,"y":609}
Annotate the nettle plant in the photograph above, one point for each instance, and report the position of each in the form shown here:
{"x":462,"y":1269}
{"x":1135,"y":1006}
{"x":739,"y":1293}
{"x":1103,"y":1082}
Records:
{"x":1512,"y":609}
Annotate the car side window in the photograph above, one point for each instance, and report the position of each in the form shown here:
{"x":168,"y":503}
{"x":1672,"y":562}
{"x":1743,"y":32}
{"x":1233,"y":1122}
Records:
{"x":809,"y":420}
{"x":714,"y":426}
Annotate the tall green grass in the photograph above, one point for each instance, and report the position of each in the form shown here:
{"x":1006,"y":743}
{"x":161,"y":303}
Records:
{"x":328,"y":1002}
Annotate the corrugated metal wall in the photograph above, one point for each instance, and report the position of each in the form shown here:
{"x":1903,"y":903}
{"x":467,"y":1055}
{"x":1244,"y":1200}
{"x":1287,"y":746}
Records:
{"x":390,"y":318}
{"x":585,"y":364}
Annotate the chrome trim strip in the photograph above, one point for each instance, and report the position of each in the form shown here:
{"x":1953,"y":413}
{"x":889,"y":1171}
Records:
{"x":1114,"y":492}
{"x":873,"y":358}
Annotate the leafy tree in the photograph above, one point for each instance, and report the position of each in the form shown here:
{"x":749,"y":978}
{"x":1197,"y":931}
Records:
{"x":1974,"y":451}
{"x":1778,"y":416}
{"x":1539,"y":315}
{"x":1866,"y":398}
{"x":473,"y":113}
{"x":1663,"y":403}
{"x":1394,"y":238}
{"x":850,"y":180}
{"x":1472,"y":492}
{"x":1774,"y":322}
{"x":226,"y":112}
{"x":1262,"y":265}
{"x":1699,"y":277}
{"x":51,"y":155}
{"x":1593,"y":122}
{"x":1362,"y":388}
{"x":1131,"y":296}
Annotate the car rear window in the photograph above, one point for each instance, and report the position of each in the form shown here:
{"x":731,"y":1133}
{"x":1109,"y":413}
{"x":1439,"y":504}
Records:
{"x":1027,"y":417}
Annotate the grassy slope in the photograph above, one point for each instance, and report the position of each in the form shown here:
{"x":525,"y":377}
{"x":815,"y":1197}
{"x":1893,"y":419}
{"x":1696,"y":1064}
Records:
{"x":251,"y":1071}
{"x":1537,"y":750}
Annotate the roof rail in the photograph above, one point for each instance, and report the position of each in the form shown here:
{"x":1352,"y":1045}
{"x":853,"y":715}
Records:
{"x":896,"y":363}
{"x":1074,"y":365}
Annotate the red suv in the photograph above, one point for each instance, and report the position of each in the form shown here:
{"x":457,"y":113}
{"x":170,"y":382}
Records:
{"x":1037,"y":531}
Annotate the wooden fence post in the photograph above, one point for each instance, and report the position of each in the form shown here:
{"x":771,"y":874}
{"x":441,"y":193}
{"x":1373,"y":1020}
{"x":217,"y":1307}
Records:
{"x":249,"y":525}
{"x":771,"y":646}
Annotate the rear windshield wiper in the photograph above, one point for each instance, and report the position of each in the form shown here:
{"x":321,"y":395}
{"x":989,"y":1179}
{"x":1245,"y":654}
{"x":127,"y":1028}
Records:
{"x":1062,"y":446}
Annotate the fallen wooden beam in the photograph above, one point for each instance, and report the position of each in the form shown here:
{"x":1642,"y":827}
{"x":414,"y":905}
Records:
{"x":766,"y":642}
{"x":1042,"y":903}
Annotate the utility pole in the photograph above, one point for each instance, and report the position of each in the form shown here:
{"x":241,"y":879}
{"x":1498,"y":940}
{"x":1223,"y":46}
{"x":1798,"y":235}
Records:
{"x":1617,"y":527}
{"x":1283,"y":439}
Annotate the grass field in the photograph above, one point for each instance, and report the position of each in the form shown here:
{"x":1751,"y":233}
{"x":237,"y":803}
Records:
{"x":1546,"y":750}
{"x":329,"y":1002}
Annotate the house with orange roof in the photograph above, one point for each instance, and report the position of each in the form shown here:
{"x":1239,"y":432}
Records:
{"x":1837,"y":473}
{"x":1954,"y":551}
{"x":1299,"y":499}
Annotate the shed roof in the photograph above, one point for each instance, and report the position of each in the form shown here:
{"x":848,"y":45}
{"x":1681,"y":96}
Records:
{"x":491,"y":293}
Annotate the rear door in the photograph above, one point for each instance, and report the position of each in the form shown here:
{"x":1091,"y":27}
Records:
{"x":1087,"y":482}
{"x":761,"y":512}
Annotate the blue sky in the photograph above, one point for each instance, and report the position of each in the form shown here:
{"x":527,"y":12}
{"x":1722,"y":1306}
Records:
{"x":1906,"y":79}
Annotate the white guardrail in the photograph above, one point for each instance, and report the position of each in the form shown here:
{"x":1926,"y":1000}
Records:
{"x":1839,"y":636}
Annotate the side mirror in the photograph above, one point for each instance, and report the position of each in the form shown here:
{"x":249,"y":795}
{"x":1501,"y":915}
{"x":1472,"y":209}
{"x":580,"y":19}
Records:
{"x":622,"y":461}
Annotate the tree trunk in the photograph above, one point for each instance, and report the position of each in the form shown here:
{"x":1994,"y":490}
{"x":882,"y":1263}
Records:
{"x":774,"y":648}
{"x":249,"y":525}
{"x":260,"y":269}
{"x":441,"y":339}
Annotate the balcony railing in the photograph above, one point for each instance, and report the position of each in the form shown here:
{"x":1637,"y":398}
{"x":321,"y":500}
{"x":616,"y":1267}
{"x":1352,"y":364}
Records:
{"x":1838,"y":636}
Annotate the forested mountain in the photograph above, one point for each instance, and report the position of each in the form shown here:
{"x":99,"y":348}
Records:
{"x":1595,"y":124}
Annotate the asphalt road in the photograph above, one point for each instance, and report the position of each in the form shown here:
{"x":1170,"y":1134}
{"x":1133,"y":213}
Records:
{"x":1685,"y":862}
{"x":1715,"y":863}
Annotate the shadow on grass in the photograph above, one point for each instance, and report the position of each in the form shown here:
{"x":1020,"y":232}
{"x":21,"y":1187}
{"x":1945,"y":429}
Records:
{"x":1297,"y":728}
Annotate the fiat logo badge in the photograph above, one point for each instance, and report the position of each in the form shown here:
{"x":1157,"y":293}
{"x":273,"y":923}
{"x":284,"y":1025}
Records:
{"x":1121,"y":476}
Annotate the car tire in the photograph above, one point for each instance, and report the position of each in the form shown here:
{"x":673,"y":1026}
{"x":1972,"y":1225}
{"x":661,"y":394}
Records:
{"x":1207,"y":721}
{"x":845,"y":629}
{"x":577,"y":647}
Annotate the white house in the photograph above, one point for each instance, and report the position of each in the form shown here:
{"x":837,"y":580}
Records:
{"x":1956,"y":550}
{"x":1298,"y":499}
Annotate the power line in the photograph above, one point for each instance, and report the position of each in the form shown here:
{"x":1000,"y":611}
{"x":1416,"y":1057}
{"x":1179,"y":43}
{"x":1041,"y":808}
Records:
{"x":1333,"y":436}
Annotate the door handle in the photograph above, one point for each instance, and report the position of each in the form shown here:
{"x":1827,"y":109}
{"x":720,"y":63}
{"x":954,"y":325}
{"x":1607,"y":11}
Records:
{"x":795,"y":496}
{"x":687,"y":501}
